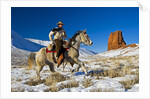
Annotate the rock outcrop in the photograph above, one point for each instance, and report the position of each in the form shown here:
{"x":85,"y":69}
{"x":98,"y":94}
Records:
{"x":116,"y":40}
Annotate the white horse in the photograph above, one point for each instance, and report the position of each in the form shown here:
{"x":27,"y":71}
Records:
{"x":41,"y":58}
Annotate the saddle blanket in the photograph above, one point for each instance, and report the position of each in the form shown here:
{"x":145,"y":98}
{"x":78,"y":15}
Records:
{"x":53,"y":51}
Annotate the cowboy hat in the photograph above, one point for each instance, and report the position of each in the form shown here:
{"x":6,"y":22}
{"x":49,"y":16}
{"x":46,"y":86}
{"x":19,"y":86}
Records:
{"x":60,"y":22}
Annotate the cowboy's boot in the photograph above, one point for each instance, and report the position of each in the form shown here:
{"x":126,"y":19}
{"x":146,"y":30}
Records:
{"x":60,"y":60}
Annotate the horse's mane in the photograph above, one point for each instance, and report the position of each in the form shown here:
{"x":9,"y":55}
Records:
{"x":75,"y":35}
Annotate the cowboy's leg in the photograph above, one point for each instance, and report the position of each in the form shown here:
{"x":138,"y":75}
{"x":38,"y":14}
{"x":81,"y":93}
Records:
{"x":58,"y":47}
{"x":61,"y":50}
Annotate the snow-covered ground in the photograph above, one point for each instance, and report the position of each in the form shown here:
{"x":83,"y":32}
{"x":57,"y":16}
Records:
{"x":129,"y":51}
{"x":111,"y":71}
{"x":105,"y":74}
{"x":19,"y":56}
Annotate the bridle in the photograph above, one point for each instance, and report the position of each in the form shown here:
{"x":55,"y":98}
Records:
{"x":86,"y":37}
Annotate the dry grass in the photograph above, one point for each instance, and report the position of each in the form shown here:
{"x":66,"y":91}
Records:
{"x":110,"y":73}
{"x":106,"y":66}
{"x":115,"y":73}
{"x":98,"y":64}
{"x":70,"y":84}
{"x":115,"y":62}
{"x":13,"y":79}
{"x":19,"y":79}
{"x":53,"y":88}
{"x":54,"y":78}
{"x":100,"y":78}
{"x":19,"y":89}
{"x":34,"y":81}
{"x":118,"y":70}
{"x":108,"y":59}
{"x":87,"y":82}
{"x":136,"y":72}
{"x":130,"y":82}
{"x":20,"y":66}
{"x":103,"y":90}
{"x":27,"y":72}
{"x":46,"y":71}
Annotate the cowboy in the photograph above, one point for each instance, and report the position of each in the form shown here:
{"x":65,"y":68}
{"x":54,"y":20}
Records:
{"x":58,"y":33}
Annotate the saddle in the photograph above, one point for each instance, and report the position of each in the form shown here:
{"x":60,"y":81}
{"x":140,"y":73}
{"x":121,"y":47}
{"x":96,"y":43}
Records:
{"x":51,"y":48}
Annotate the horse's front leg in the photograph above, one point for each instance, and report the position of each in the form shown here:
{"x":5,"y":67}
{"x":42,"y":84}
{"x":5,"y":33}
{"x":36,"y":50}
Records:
{"x":81,"y":64}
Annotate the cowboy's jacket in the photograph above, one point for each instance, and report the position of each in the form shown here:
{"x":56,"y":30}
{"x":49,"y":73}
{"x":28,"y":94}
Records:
{"x":58,"y":33}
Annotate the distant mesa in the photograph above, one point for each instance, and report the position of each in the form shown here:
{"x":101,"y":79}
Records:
{"x":116,"y":41}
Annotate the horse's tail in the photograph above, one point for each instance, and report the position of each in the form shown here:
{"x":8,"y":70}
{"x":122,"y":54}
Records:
{"x":32,"y":59}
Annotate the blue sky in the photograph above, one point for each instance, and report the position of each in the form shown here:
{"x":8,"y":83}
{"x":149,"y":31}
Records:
{"x":36,"y":22}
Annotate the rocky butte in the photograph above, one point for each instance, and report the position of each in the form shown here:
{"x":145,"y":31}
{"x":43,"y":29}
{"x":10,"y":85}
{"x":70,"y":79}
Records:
{"x":116,"y":40}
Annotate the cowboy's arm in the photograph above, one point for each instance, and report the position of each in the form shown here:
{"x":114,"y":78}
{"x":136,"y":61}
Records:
{"x":51,"y":35}
{"x":64,"y":34}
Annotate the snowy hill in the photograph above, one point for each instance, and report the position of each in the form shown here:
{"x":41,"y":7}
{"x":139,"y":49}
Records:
{"x":40,"y":42}
{"x":19,"y":42}
{"x":128,"y":51}
{"x":19,"y":56}
{"x":85,"y":52}
{"x":82,"y":51}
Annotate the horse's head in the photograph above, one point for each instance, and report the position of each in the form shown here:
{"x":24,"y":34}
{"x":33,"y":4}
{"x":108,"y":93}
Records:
{"x":85,"y":38}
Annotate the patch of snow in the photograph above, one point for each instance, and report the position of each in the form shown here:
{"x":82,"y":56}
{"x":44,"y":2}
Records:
{"x":85,"y":52}
{"x":40,"y":42}
{"x":135,"y":88}
{"x":129,"y":51}
{"x":19,"y":56}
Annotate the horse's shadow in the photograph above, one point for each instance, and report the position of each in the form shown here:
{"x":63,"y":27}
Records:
{"x":91,"y":72}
